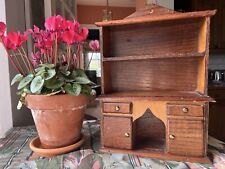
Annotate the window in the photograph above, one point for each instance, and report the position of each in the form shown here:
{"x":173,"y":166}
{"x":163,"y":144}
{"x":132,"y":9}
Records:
{"x":95,"y":63}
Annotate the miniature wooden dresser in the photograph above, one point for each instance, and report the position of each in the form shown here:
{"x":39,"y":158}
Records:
{"x":154,"y":98}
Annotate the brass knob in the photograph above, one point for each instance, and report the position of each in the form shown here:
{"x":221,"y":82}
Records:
{"x":172,"y":137}
{"x":127,"y":135}
{"x":185,"y":109}
{"x":117,"y":108}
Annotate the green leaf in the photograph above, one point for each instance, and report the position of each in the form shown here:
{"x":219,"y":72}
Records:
{"x":41,"y":72}
{"x":20,"y":92}
{"x":66,"y":73}
{"x":54,"y":93}
{"x":83,"y":80}
{"x":54,"y":83}
{"x":17,"y":78}
{"x":37,"y":84}
{"x":25,"y":81}
{"x":49,"y":66}
{"x":69,"y":89}
{"x":39,"y":69}
{"x":50,"y":74}
{"x":79,"y":73}
{"x":76,"y":89}
{"x":86,"y":90}
{"x":26,"y":90}
{"x":23,"y":91}
{"x":69,"y":80}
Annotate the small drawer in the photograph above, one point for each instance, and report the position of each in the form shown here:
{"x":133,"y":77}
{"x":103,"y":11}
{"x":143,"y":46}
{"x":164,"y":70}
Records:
{"x":117,"y":108}
{"x":185,"y":110}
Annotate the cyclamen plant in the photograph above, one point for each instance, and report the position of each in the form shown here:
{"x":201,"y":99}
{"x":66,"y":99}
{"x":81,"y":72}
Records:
{"x":49,"y":70}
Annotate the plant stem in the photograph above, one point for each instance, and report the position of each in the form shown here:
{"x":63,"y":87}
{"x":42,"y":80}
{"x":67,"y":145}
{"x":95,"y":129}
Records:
{"x":69,"y":56}
{"x":15,"y":66}
{"x":48,"y":60}
{"x":19,"y":65}
{"x":89,"y":61}
{"x":45,"y":58}
{"x":12,"y":62}
{"x":28,"y":60}
{"x":78,"y":56}
{"x":74,"y":60}
{"x":25,"y":63}
{"x":51,"y":55}
{"x":56,"y":46}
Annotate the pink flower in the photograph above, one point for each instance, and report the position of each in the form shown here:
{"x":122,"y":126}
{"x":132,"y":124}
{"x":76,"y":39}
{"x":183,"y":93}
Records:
{"x":7,"y":43}
{"x":35,"y":58}
{"x":54,"y":23}
{"x":94,"y":45}
{"x":71,"y":25}
{"x":14,"y":40}
{"x":69,"y":37}
{"x":43,"y":40}
{"x":83,"y":34}
{"x":2,"y":28}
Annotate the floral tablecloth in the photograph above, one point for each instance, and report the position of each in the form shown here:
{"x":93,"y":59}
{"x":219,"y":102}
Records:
{"x":89,"y":157}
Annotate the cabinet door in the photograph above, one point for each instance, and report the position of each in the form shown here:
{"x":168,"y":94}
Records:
{"x":117,"y":132}
{"x":185,"y":137}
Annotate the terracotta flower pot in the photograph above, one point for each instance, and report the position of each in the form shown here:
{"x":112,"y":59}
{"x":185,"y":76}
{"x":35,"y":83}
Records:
{"x":58,"y":118}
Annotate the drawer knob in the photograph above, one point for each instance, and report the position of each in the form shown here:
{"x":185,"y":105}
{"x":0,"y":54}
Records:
{"x":127,"y":135}
{"x":172,"y":137}
{"x":185,"y":109}
{"x":117,"y":108}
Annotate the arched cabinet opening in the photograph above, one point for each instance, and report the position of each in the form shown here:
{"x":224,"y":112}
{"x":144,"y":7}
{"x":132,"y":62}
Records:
{"x":150,"y":132}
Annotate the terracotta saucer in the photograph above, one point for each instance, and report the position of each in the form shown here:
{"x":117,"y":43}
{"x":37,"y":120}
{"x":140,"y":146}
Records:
{"x":35,"y":146}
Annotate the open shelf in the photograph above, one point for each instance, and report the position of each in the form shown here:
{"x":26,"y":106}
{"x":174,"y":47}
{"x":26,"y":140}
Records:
{"x":153,"y":145}
{"x":172,"y":39}
{"x":157,"y":95}
{"x":155,"y":56}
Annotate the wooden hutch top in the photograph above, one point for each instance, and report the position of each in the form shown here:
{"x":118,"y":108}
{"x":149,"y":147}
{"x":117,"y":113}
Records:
{"x":156,"y":13}
{"x":151,"y":38}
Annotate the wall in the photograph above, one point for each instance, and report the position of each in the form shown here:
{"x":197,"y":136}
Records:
{"x":166,"y":3}
{"x":5,"y":98}
{"x":217,"y":61}
{"x":90,"y":14}
{"x":15,"y":14}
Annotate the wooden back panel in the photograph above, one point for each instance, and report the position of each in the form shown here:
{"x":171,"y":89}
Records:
{"x":180,"y":36}
{"x":156,"y":74}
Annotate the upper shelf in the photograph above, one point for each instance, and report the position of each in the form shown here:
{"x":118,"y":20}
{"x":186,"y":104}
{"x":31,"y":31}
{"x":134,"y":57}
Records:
{"x":156,"y":18}
{"x":155,"y":56}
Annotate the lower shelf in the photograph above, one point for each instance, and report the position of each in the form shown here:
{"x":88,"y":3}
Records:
{"x":158,"y":155}
{"x":152,"y":146}
{"x":158,"y":95}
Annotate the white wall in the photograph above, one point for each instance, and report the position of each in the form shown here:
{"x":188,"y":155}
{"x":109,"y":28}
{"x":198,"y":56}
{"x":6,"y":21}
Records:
{"x":166,"y":3}
{"x":5,"y":98}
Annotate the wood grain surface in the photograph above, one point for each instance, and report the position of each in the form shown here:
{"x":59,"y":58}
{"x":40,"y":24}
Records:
{"x":115,"y":130}
{"x":188,"y":137}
